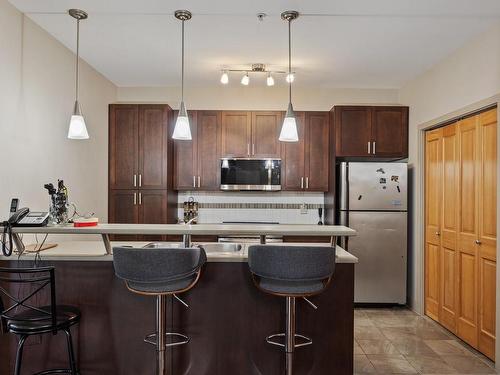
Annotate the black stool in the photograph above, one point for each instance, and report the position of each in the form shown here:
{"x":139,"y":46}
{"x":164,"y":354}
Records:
{"x":291,"y":272}
{"x":24,"y":318}
{"x":160,"y":272}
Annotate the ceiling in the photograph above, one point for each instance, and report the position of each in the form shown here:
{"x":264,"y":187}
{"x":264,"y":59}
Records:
{"x":336,"y":43}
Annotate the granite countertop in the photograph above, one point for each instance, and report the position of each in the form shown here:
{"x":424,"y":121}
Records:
{"x":95,"y":251}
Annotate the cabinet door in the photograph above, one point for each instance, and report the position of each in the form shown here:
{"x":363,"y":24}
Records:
{"x":433,"y":198}
{"x":266,"y":127}
{"x":123,"y":146}
{"x":487,"y":235}
{"x":317,"y":151}
{"x":185,"y":156}
{"x":293,"y":162}
{"x":467,"y":232}
{"x":390,"y":131}
{"x":353,"y":131}
{"x":153,"y":146}
{"x":208,"y":171}
{"x":449,"y":227}
{"x":123,"y":209}
{"x":235,"y":134}
{"x":152,"y":210}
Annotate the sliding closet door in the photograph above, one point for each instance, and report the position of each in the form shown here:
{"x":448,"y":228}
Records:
{"x":449,"y":227}
{"x":433,"y":194}
{"x":467,"y":231}
{"x":487,"y":236}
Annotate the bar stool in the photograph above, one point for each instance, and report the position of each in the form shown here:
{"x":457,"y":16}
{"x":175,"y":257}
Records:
{"x":291,"y":272}
{"x":160,"y":272}
{"x":23,"y":317}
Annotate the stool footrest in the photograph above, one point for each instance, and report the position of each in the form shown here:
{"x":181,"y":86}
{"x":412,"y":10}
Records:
{"x":183,"y":339}
{"x":306,"y":340}
{"x":54,"y":371}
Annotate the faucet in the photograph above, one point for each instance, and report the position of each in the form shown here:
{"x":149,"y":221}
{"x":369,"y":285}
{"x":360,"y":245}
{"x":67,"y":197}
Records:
{"x":190,"y":221}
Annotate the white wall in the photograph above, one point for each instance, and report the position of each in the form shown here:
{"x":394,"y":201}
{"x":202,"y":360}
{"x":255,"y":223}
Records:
{"x":37,"y":89}
{"x":467,"y":76}
{"x":235,"y":96}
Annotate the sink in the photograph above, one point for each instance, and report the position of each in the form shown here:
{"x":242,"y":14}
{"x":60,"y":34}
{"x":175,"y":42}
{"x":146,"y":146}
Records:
{"x":217,"y":247}
{"x":214,"y":247}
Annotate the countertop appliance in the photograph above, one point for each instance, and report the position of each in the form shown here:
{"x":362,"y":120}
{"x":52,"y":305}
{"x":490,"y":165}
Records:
{"x":372,"y":199}
{"x":250,"y":239}
{"x":250,"y":174}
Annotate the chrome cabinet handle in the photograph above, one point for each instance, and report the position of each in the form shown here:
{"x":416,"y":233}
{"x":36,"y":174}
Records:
{"x":140,"y":180}
{"x":194,"y":181}
{"x":307,"y":182}
{"x":248,"y":149}
{"x":140,"y":198}
{"x":135,"y":199}
{"x":135,"y":180}
{"x":478,"y":242}
{"x":302,"y":182}
{"x":374,"y":145}
{"x":199,"y":183}
{"x":253,"y":148}
{"x":369,"y":148}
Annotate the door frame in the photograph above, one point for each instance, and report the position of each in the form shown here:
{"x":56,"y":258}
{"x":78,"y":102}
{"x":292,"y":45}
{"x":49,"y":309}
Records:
{"x":419,"y":215}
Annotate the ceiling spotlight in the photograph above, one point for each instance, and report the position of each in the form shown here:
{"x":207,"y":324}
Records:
{"x":270,"y":80}
{"x":224,"y":78}
{"x":245,"y":80}
{"x":290,"y":77}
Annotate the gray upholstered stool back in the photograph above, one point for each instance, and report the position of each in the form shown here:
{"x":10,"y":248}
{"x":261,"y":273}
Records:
{"x":160,"y":270}
{"x":291,"y":270}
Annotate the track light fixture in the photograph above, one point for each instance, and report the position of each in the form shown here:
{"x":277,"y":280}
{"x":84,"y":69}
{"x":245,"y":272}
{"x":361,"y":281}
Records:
{"x":255,"y":69}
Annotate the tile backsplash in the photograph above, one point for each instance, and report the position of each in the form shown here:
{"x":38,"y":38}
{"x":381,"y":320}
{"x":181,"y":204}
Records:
{"x":282,"y":207}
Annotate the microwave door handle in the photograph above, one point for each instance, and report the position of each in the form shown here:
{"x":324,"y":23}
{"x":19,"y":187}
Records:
{"x":269,"y":176}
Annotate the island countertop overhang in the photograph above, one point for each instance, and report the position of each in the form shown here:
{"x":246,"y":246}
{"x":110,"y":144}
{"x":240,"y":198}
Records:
{"x":196,"y":229}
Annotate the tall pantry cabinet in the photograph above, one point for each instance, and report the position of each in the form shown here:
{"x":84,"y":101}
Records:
{"x":140,"y":166}
{"x":460,"y":228}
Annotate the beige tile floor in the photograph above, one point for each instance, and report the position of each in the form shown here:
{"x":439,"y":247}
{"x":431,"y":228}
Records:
{"x":397,"y":341}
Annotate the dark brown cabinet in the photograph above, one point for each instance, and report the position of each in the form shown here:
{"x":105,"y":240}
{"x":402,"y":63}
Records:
{"x":305,"y":163}
{"x":371,"y":131}
{"x":251,"y":134}
{"x":197,"y":161}
{"x":140,"y":166}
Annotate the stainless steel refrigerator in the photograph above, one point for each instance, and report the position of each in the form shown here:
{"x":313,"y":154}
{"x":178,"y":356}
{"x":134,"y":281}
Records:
{"x":372,"y":199}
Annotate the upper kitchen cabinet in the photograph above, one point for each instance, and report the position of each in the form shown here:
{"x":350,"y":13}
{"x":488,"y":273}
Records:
{"x":236,"y":134}
{"x":123,"y":146}
{"x":197,"y":161}
{"x":138,"y":137}
{"x":305,"y":163}
{"x":266,"y":127}
{"x":251,"y":134}
{"x":374,"y":132}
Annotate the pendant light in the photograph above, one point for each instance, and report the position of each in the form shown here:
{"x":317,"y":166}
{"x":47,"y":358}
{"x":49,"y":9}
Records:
{"x":77,"y":127}
{"x":289,"y":128}
{"x":182,"y":130}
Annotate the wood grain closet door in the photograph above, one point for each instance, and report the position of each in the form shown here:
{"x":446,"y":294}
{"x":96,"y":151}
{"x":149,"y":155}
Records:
{"x":487,"y":234}
{"x":467,"y":311}
{"x":449,"y":227}
{"x":433,"y":199}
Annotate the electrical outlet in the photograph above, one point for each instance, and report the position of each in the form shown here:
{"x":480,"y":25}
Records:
{"x":303,"y":208}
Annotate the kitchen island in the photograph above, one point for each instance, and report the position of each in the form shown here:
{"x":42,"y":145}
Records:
{"x":227,"y":319}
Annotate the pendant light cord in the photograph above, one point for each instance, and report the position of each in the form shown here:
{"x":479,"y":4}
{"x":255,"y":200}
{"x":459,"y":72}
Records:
{"x":182,"y":69}
{"x":289,"y":61}
{"x":77,"y":57}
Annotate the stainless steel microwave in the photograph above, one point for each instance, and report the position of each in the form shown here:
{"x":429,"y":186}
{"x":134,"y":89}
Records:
{"x":250,"y":174}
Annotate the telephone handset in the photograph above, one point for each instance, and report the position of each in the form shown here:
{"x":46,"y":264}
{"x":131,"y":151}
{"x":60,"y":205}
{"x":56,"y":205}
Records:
{"x":22,"y":217}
